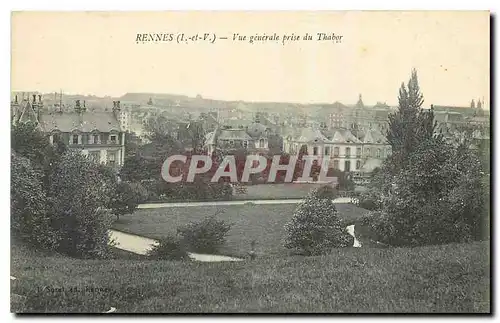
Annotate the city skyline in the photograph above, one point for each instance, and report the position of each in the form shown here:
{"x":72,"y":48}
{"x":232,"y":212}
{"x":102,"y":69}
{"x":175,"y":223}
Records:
{"x":97,"y":54}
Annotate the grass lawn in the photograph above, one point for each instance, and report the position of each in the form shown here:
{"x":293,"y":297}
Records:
{"x":264,"y":223}
{"x":445,"y":279}
{"x":277,"y":191}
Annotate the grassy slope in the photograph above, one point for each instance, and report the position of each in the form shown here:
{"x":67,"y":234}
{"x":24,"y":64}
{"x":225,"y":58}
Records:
{"x":449,"y":278}
{"x":264,"y":223}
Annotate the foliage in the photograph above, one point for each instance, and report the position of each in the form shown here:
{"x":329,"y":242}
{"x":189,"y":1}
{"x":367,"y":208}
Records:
{"x":29,"y":141}
{"x":315,"y":227}
{"x":82,"y":194}
{"x":137,"y":168}
{"x":325,"y":192}
{"x":438,"y":198}
{"x":205,"y":236}
{"x":168,"y":248}
{"x":127,"y":197}
{"x":409,"y":125}
{"x":30,"y":220}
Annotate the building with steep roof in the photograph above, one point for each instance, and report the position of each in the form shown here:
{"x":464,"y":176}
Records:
{"x":254,"y":137}
{"x":345,"y":151}
{"x":96,"y":134}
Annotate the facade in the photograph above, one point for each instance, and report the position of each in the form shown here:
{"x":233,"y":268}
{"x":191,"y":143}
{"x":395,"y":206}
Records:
{"x":96,"y":134}
{"x":345,"y":151}
{"x":254,"y":139}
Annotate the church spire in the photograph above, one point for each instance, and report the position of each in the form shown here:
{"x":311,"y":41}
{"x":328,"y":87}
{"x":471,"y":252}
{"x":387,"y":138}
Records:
{"x":360,"y":102}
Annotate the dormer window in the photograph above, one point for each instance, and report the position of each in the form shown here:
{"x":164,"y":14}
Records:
{"x":75,"y":140}
{"x":95,"y":138}
{"x":112,"y":138}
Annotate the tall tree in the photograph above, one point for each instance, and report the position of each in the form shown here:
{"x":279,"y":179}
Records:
{"x":409,"y":125}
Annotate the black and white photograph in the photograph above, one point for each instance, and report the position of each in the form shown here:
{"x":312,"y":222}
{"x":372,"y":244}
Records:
{"x":187,"y":162}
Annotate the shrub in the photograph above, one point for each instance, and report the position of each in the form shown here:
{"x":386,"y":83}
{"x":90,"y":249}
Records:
{"x":325,"y":192}
{"x":127,"y":197}
{"x":81,"y":196}
{"x":315,"y":227}
{"x":438,"y":198}
{"x":205,"y":236}
{"x":30,"y":220}
{"x":169,"y":248}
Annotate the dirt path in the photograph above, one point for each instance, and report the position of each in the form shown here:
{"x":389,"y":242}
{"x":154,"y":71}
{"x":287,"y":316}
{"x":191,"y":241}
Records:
{"x":141,"y":245}
{"x":350,"y":230}
{"x":220,"y":203}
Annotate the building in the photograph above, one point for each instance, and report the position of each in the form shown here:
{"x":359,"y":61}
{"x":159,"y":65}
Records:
{"x":345,"y":151}
{"x":96,"y":134}
{"x":254,"y":138}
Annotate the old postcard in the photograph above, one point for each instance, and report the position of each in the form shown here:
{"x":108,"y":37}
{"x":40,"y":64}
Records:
{"x":250,"y":162}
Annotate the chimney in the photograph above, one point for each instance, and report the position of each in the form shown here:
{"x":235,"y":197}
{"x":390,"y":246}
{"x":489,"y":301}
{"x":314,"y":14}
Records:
{"x":116,"y":108}
{"x":15,"y":99}
{"x":78,"y":107}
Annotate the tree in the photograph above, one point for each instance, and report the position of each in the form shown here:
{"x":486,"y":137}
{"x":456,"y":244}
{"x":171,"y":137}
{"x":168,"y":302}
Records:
{"x":438,"y":198}
{"x":82,"y":194}
{"x":315,"y":227}
{"x":29,"y":141}
{"x":127,"y":197}
{"x":30,"y":221}
{"x":409,"y":125}
{"x":197,"y":135}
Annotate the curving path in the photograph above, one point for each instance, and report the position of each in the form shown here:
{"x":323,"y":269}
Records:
{"x":350,"y":230}
{"x":141,"y":245}
{"x":237,"y":202}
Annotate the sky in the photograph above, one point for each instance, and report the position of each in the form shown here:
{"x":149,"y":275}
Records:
{"x":97,"y":53}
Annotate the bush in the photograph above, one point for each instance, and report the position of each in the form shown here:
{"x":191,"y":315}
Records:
{"x":169,"y":248}
{"x":315,"y":227}
{"x":81,"y":197}
{"x":438,"y":198}
{"x":30,"y":221}
{"x":205,"y":236}
{"x":127,"y":197}
{"x":325,"y":192}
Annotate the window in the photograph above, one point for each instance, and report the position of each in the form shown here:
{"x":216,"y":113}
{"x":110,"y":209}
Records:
{"x":347,"y":166}
{"x":358,"y":152}
{"x":368,"y":152}
{"x":261,"y":143}
{"x":96,"y":139}
{"x":231,"y":142}
{"x":378,"y":153}
{"x":336,"y":164}
{"x":245,"y":144}
{"x":75,"y":139}
{"x":327,"y":151}
{"x":113,"y":139}
{"x":358,"y":164}
{"x":315,"y":151}
{"x":348,"y":152}
{"x":336,"y":152}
